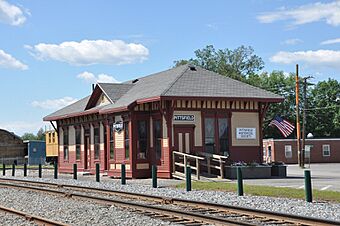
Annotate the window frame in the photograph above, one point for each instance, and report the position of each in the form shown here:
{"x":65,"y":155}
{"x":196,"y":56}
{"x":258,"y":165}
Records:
{"x":291,"y":151}
{"x":112,"y":142}
{"x":216,"y":116}
{"x":96,"y":142}
{"x":156,"y":139}
{"x":78,"y":143}
{"x":323,"y":150}
{"x":142,"y":140}
{"x":66,"y":144}
{"x":127,"y":145}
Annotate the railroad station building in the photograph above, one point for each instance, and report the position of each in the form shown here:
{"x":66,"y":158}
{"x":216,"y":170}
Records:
{"x":144,"y":121}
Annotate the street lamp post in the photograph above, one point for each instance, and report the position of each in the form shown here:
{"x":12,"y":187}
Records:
{"x":304,"y":120}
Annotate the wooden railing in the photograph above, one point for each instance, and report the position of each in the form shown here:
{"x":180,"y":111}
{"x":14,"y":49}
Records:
{"x":214,"y":161}
{"x":182,"y":160}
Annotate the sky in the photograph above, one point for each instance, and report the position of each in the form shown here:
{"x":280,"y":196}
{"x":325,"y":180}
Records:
{"x":52,"y":51}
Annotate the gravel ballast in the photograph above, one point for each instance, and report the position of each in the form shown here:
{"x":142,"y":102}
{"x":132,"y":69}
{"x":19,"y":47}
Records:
{"x":326,"y":210}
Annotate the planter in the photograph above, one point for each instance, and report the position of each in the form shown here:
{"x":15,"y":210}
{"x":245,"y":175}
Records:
{"x":249,"y":172}
{"x":279,"y":171}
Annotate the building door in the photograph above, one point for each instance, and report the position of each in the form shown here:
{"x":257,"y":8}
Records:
{"x":184,"y":139}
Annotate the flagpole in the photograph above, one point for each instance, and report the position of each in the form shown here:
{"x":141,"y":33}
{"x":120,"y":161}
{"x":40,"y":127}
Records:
{"x":297,"y":115}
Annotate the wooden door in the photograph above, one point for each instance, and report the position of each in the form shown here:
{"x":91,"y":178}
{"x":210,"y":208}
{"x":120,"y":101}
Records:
{"x":184,"y":139}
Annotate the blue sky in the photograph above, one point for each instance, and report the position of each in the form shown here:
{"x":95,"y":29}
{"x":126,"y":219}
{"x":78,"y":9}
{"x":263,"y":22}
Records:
{"x":51,"y":51}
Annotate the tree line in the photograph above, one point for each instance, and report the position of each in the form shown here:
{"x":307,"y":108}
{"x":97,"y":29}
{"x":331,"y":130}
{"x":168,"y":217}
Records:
{"x":323,"y":98}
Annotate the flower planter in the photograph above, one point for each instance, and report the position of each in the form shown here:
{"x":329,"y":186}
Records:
{"x":249,"y":172}
{"x":279,"y":171}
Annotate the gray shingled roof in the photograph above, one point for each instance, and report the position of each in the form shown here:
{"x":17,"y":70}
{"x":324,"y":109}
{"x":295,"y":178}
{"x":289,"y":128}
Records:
{"x":76,"y":107}
{"x":180,"y":81}
{"x":204,"y":83}
{"x":149,"y":86}
{"x":115,"y":91}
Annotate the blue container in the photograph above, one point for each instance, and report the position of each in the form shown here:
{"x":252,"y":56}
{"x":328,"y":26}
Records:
{"x":36,"y":152}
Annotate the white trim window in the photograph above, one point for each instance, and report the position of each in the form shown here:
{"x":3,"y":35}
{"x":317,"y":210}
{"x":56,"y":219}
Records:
{"x":288,"y":151}
{"x":308,"y":148}
{"x":326,"y":150}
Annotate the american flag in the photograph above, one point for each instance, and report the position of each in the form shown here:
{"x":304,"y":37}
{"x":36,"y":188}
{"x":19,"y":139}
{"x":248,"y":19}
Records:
{"x":285,"y":127}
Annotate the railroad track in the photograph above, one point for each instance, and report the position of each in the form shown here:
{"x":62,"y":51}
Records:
{"x":182,"y":211}
{"x":29,"y":217}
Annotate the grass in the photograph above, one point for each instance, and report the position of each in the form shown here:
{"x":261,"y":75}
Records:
{"x":259,"y":190}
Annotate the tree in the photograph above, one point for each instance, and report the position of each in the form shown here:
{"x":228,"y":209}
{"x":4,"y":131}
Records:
{"x":28,"y":136}
{"x":238,"y":63}
{"x":283,"y":85}
{"x":41,"y":134}
{"x":324,"y":114}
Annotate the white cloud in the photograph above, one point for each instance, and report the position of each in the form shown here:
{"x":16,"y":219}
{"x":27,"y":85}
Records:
{"x":328,"y":12}
{"x":328,"y":58}
{"x":292,"y":41}
{"x":331,"y":41}
{"x":7,"y":61}
{"x":54,"y":103}
{"x":11,"y":14}
{"x":88,"y":52}
{"x":21,"y":127}
{"x":91,"y":78}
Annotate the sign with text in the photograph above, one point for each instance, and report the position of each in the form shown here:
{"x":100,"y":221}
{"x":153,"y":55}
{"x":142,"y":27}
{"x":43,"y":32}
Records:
{"x":118,"y":126}
{"x":185,"y":118}
{"x":245,"y":133}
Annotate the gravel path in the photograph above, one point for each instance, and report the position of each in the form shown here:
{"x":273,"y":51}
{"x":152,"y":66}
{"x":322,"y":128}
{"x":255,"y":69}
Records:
{"x":70,"y":211}
{"x":325,"y":210}
{"x":13,"y":220}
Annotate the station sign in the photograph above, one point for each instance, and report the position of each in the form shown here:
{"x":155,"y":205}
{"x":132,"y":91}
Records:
{"x":118,"y":126}
{"x":246,"y":133}
{"x":184,"y":118}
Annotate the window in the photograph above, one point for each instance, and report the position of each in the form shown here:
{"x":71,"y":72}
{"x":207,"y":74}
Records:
{"x":112,"y":140}
{"x":53,"y":137}
{"x":157,"y":133}
{"x":307,"y":150}
{"x":78,"y":142}
{"x":65,"y":136}
{"x":126,"y":140}
{"x":142,"y":144}
{"x":49,"y":138}
{"x":288,"y":151}
{"x":223,"y":136}
{"x":209,"y":140}
{"x":326,"y":150}
{"x":96,"y":142}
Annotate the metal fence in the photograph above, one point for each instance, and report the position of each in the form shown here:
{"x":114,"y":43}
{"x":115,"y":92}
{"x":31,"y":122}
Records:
{"x":22,"y":160}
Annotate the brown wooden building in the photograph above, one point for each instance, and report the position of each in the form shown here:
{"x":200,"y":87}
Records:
{"x":326,"y":150}
{"x":145,"y":121}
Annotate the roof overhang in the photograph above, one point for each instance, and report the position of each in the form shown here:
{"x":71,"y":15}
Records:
{"x":55,"y":118}
{"x":269,"y":100}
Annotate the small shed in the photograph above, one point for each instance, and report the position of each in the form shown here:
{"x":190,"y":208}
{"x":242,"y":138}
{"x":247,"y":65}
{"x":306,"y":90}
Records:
{"x":35,"y":152}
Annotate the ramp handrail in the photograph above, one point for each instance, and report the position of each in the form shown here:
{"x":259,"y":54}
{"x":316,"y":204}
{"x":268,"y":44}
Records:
{"x":186,"y":157}
{"x":220,"y":159}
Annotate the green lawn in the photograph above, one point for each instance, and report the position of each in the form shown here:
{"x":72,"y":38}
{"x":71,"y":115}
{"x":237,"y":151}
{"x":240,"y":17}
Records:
{"x":265,"y":190}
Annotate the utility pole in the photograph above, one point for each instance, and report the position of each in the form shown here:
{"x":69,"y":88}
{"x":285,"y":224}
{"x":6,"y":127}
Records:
{"x":297,"y":115}
{"x":304,"y":120}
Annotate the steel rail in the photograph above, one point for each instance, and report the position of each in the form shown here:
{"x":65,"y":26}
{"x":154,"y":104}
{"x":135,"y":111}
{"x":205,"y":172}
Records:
{"x":268,"y":215}
{"x":30,"y":217}
{"x":178,"y":215}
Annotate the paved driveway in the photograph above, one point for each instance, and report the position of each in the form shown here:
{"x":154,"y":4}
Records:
{"x":324,"y":177}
